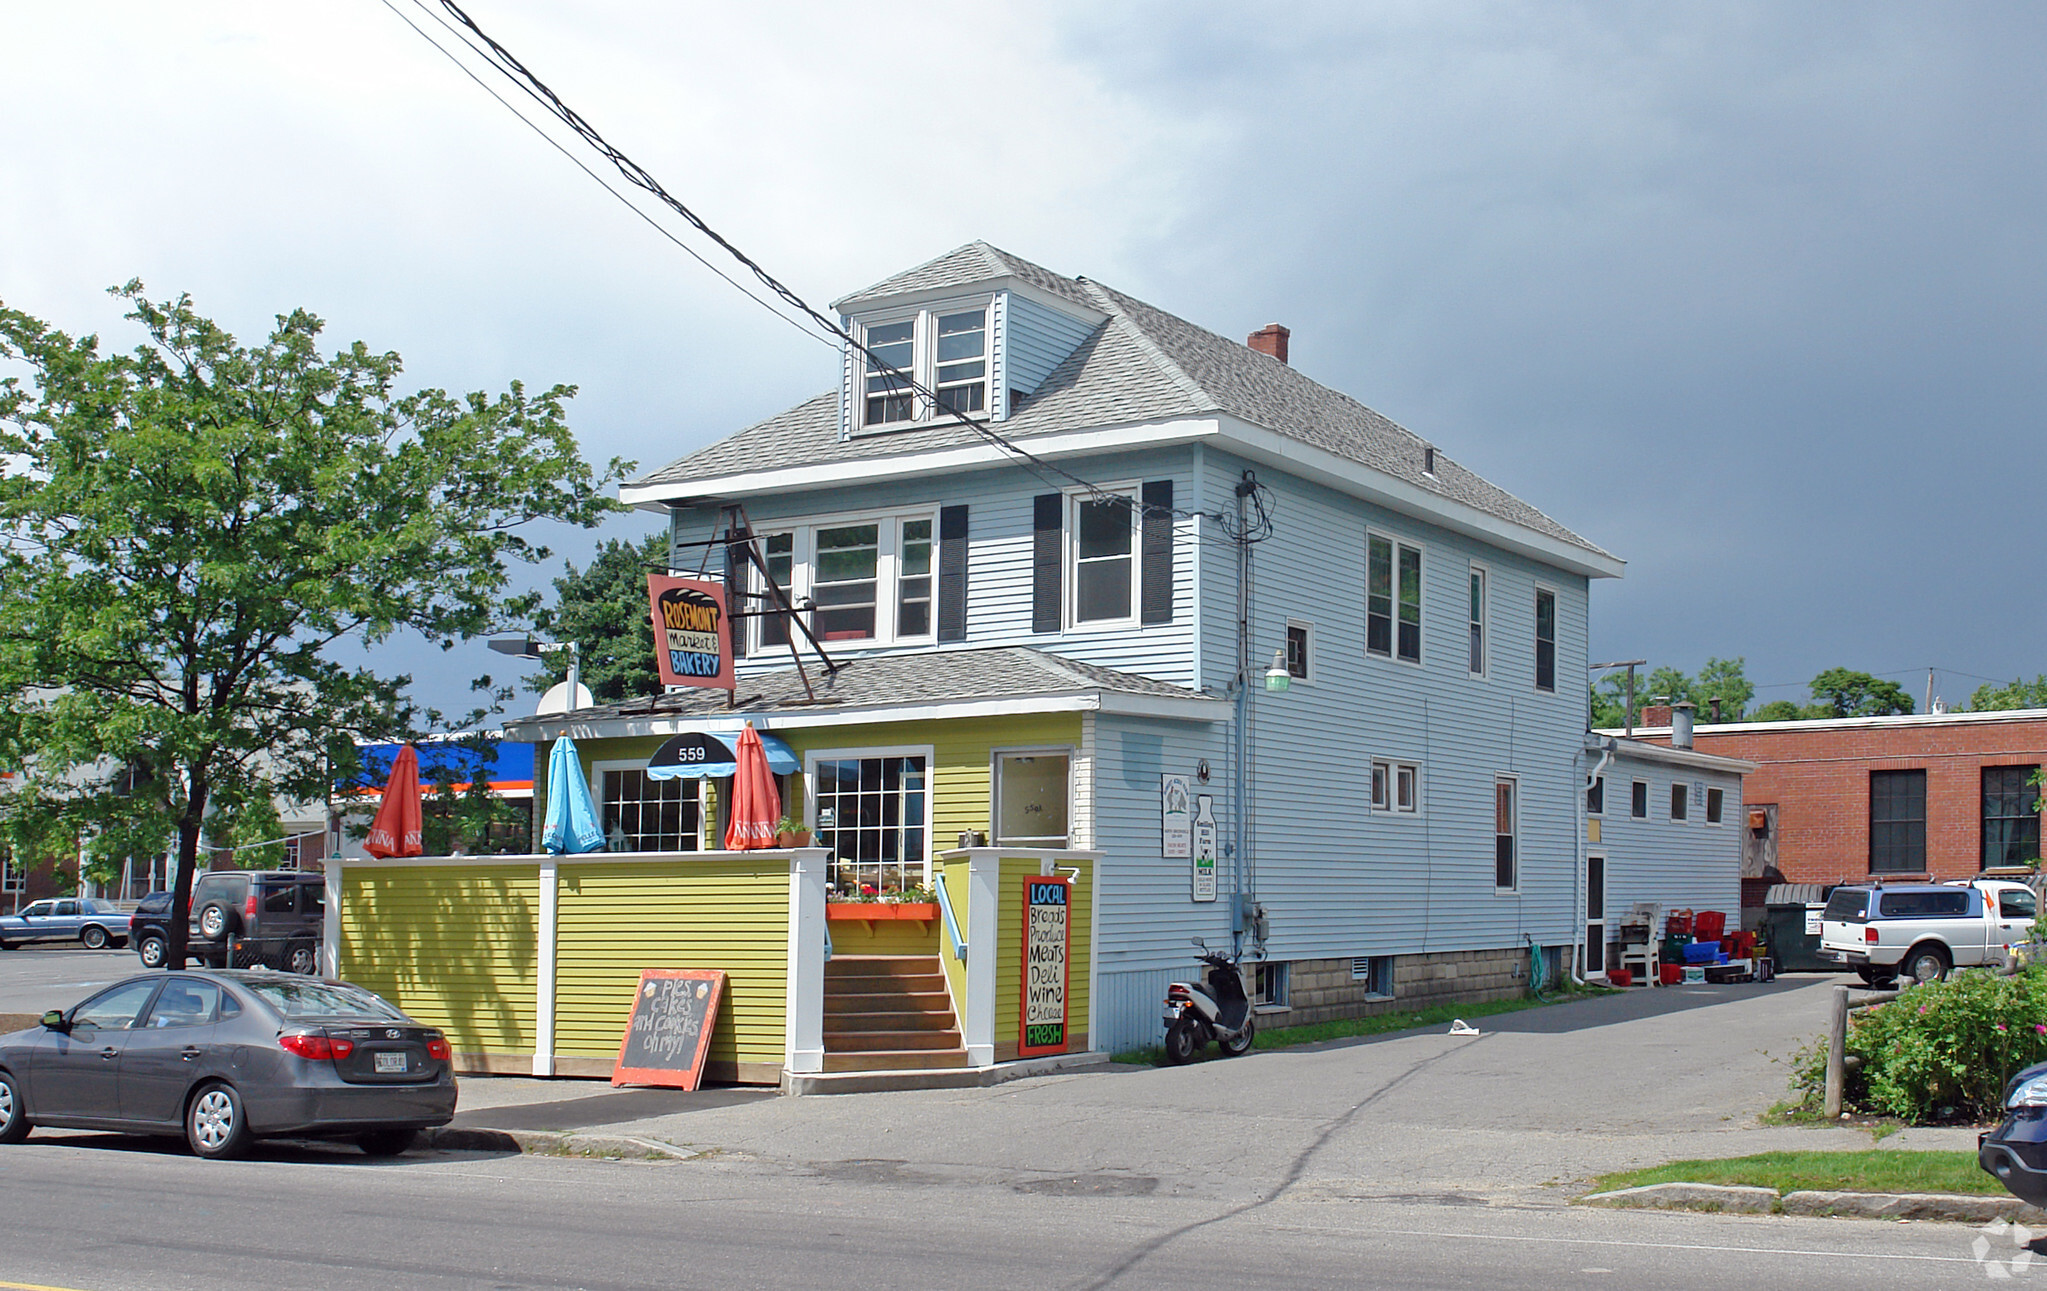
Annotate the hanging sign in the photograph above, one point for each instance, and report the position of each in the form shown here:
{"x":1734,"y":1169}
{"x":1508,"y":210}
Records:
{"x":1047,"y":939}
{"x":1204,"y":848}
{"x":692,"y":636}
{"x":1176,"y":817}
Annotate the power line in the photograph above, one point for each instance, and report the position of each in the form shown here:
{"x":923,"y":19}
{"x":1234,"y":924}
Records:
{"x":509,"y":65}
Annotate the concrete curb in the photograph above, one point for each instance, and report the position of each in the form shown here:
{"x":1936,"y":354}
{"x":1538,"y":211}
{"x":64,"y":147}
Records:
{"x":1936,"y":1206}
{"x":555,"y":1143}
{"x":874,"y":1082}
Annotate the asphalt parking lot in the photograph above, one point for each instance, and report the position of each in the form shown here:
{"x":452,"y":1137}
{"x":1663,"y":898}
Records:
{"x":40,"y":977}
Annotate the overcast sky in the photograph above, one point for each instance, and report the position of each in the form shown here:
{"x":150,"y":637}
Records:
{"x":1752,"y":295}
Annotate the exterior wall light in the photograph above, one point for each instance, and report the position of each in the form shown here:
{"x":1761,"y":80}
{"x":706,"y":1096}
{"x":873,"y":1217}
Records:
{"x":1277,"y":677}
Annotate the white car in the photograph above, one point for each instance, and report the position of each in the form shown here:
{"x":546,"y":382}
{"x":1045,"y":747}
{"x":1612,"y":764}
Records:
{"x":1921,"y":930}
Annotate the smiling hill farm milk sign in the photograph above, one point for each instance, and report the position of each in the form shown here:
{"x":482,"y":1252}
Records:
{"x":692,"y":636}
{"x":1047,"y":941}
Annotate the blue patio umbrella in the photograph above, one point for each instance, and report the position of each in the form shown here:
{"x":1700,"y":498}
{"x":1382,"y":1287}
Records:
{"x":571,"y":817}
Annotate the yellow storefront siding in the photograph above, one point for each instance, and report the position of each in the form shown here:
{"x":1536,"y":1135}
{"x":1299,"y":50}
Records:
{"x":1009,"y":954}
{"x":453,"y":946}
{"x":616,"y":919}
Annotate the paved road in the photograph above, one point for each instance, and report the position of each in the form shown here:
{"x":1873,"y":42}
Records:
{"x":47,"y":976}
{"x":1413,"y":1160}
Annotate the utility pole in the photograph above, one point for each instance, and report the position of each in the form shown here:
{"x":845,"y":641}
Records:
{"x":1630,"y":665}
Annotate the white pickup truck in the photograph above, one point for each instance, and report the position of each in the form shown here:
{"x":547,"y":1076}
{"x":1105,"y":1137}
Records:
{"x":1919,"y":931}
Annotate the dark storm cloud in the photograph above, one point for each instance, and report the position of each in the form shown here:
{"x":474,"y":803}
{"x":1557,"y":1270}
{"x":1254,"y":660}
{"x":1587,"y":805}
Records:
{"x":1749,"y":294}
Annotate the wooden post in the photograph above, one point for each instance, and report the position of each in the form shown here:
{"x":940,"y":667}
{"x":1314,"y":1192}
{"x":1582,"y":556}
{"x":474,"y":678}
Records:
{"x":1837,"y":1049}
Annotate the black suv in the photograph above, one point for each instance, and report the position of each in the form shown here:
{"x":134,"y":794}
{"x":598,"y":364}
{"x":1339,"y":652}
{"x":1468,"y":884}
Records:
{"x":241,"y":918}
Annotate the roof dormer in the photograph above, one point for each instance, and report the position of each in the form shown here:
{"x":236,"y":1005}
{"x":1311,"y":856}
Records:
{"x":977,"y":328}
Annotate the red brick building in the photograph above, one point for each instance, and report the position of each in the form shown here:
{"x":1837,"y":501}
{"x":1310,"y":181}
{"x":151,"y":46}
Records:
{"x":1939,"y":795}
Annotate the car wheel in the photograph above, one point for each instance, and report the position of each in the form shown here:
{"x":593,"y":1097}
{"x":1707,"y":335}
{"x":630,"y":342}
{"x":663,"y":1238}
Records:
{"x":215,"y":1125}
{"x":216,"y":921}
{"x":1240,"y":1046}
{"x":14,"y":1126}
{"x":386,"y":1143}
{"x":303,"y":960}
{"x":1924,"y":964}
{"x":94,"y":937}
{"x":1181,"y":1042}
{"x":152,"y":950}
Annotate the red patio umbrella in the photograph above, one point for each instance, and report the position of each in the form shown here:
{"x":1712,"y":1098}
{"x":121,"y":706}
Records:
{"x":395,"y":831}
{"x":756,"y":803}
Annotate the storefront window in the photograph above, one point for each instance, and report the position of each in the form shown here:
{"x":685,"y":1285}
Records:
{"x":1031,"y":795}
{"x":870,"y":811}
{"x":646,"y":815}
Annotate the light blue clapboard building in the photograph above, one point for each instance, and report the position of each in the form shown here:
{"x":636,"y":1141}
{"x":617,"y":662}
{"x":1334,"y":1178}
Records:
{"x":1155,"y":503}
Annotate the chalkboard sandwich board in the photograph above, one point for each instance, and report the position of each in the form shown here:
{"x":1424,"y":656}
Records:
{"x":668,"y":1031}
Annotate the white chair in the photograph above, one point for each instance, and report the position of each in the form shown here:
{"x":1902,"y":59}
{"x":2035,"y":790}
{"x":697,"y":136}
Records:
{"x":1639,"y":952}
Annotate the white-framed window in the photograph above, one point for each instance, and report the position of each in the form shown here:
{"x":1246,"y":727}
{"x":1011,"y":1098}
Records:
{"x":869,"y":578}
{"x":1716,"y":805}
{"x":1397,"y":787}
{"x":871,"y":807}
{"x":13,"y":878}
{"x":1393,"y":598}
{"x":1032,"y":802}
{"x":1545,"y":639}
{"x":1269,"y":986}
{"x":944,"y":348}
{"x":642,"y":814}
{"x":1678,"y":800}
{"x":1300,"y":650}
{"x":1595,"y":797}
{"x":1638,"y":800}
{"x":1477,"y":610}
{"x":1506,"y":834}
{"x":1102,"y":528}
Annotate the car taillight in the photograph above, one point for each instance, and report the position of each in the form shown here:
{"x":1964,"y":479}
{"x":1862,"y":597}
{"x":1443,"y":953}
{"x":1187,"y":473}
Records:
{"x":1869,"y":935}
{"x":316,"y":1046}
{"x":249,"y":907}
{"x":437,"y":1048}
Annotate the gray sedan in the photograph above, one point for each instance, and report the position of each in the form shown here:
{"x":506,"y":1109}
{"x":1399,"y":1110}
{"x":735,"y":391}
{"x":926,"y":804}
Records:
{"x":95,"y":922}
{"x":227,"y":1057}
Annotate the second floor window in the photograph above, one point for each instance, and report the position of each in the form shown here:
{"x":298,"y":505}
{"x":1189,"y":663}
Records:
{"x":1477,"y":621}
{"x":1506,"y":822}
{"x":1545,"y":640}
{"x":1638,"y":801}
{"x":943,"y":350}
{"x":869,"y":577}
{"x":1104,"y":558}
{"x":1393,"y":599}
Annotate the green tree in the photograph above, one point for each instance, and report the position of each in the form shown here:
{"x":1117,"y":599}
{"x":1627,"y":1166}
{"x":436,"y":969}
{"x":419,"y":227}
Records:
{"x":1722,"y":679}
{"x":2019,"y":694}
{"x":185,"y":532}
{"x":1843,"y":692}
{"x":603,"y":609}
{"x":1780,"y":710}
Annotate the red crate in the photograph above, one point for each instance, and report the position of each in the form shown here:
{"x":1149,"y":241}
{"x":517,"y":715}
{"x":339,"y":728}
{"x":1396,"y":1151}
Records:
{"x":1707,"y":925}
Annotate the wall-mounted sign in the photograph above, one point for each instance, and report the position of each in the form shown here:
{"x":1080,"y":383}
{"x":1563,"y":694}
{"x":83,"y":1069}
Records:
{"x":1176,"y":817}
{"x":1047,"y":939}
{"x":1204,"y":848}
{"x":692,"y":637}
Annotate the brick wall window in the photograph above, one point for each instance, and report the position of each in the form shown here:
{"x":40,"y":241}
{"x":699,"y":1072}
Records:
{"x":1897,"y":822}
{"x":2011,"y":816}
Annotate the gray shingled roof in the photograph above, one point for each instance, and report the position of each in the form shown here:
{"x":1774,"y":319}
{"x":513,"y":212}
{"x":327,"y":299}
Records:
{"x":930,"y":677}
{"x":1143,"y":364}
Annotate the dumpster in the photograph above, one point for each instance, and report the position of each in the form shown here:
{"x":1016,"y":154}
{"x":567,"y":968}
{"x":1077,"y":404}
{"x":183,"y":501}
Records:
{"x":1791,"y":924}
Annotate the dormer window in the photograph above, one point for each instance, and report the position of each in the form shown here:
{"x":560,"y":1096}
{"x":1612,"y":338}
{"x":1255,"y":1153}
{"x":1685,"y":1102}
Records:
{"x":946,"y":350}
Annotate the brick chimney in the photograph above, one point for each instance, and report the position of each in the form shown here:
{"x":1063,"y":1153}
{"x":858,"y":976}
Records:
{"x":1270,"y":339}
{"x":1652,"y":715}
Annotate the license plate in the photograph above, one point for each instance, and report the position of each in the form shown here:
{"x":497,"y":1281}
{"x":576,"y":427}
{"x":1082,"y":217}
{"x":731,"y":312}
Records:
{"x":390,"y":1062}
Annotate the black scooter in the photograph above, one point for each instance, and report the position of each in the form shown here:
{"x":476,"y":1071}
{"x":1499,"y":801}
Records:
{"x":1221,"y":1012}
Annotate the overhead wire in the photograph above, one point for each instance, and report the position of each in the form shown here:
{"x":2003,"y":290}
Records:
{"x":510,"y":66}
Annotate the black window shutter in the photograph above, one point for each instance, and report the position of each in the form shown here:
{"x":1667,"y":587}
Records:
{"x":737,"y":580}
{"x":952,"y":573}
{"x":1157,"y":602}
{"x":1048,"y":557}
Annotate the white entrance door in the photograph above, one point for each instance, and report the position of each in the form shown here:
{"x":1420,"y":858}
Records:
{"x":1595,"y":915}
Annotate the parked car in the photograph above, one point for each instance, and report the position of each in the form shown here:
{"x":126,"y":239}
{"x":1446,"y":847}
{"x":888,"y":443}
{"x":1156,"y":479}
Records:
{"x":1921,"y":930}
{"x":226,"y":1058}
{"x":90,"y":920}
{"x":240,"y":919}
{"x":2016,"y":1151}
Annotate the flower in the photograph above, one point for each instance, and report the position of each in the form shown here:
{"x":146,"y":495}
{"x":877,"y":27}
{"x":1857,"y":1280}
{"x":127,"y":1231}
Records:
{"x":2000,"y":1026}
{"x":2040,"y":1028}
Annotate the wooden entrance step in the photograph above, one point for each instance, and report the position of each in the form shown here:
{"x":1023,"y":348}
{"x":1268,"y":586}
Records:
{"x":889,"y":1013}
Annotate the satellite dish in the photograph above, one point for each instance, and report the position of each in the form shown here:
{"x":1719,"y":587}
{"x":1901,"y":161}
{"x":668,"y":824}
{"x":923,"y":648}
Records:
{"x":556,"y":700}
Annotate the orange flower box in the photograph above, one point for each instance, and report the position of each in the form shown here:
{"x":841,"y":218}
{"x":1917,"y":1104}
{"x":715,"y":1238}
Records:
{"x":872,"y":911}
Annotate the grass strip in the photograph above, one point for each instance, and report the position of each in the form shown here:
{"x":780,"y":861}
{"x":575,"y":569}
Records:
{"x":1379,"y":1023}
{"x":1870,"y":1170}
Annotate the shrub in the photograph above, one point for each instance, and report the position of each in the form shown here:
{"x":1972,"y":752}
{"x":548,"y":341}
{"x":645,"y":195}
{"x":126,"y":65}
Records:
{"x":1939,"y":1052}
